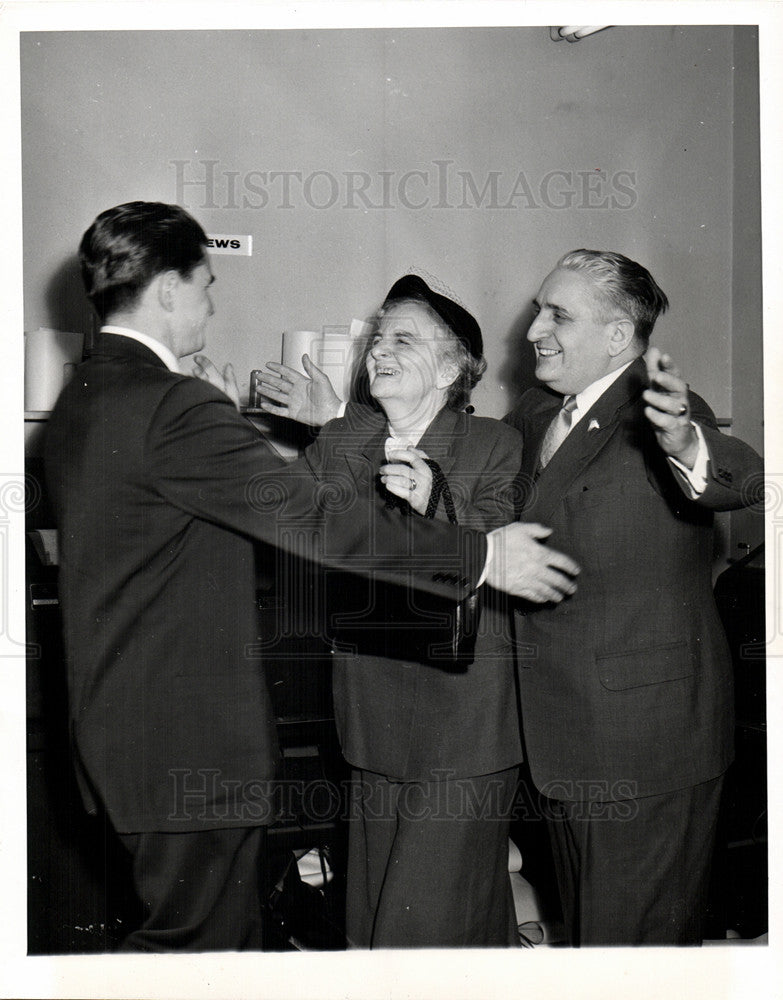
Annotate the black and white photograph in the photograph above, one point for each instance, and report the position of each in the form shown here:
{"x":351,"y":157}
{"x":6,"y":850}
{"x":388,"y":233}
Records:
{"x":390,"y":530}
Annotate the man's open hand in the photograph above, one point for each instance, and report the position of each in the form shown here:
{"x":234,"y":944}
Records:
{"x":522,"y":566}
{"x":226,"y":380}
{"x":668,"y":408}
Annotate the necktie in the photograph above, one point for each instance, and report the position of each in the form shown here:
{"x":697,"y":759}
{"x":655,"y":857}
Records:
{"x":557,"y":431}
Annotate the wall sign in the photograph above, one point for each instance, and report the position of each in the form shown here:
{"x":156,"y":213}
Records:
{"x":221,"y":243}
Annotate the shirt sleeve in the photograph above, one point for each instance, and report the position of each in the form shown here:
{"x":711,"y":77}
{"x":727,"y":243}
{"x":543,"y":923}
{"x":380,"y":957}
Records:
{"x":693,"y":481}
{"x":488,"y":560}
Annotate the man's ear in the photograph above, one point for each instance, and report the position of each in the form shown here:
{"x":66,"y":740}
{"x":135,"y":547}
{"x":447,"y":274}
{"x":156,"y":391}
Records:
{"x":168,"y":282}
{"x":620,"y":337}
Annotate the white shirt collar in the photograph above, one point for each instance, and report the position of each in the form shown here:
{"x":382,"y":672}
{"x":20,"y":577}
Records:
{"x":163,"y":352}
{"x":397,"y":442}
{"x":590,"y":395}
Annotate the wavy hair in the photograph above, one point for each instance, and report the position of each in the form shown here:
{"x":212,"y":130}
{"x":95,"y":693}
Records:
{"x":623,"y":284}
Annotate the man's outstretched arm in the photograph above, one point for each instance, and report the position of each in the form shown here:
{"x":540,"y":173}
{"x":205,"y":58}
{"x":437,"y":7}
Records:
{"x":209,"y":462}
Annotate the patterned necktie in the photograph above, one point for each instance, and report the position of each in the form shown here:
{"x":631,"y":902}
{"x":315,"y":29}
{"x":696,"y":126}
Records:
{"x":557,"y":431}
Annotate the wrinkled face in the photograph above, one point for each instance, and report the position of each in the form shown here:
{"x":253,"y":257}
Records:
{"x":571,"y":338}
{"x":407,"y":358}
{"x":192,"y":309}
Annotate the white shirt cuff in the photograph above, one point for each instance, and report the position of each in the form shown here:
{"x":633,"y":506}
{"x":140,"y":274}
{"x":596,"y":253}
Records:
{"x":490,"y":549}
{"x":693,"y":481}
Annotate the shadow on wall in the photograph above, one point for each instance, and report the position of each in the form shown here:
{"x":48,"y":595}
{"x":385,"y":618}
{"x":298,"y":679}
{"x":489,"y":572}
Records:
{"x":67,"y":307}
{"x":518,"y":370}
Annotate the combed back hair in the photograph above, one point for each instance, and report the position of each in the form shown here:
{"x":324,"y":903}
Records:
{"x":624,"y":285}
{"x":469,"y":368}
{"x":128,"y":245}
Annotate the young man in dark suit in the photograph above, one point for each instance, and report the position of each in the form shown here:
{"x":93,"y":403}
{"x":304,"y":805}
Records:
{"x":626,"y":686}
{"x":158,"y":485}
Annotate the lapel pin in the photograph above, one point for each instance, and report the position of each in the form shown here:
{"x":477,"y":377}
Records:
{"x":593,"y":425}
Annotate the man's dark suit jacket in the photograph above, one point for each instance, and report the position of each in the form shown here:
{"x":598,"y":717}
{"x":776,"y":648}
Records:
{"x":158,"y":487}
{"x":626,"y":687}
{"x":404,"y":706}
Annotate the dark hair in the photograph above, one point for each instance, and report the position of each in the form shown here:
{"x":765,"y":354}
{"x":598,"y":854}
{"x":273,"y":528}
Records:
{"x":469,"y":368}
{"x":128,"y":245}
{"x":623,"y":284}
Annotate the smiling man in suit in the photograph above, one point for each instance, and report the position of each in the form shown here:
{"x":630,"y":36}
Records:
{"x":158,"y":486}
{"x":626,"y":688}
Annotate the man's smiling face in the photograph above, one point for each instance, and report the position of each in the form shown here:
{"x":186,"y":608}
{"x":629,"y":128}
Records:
{"x":571,"y":333}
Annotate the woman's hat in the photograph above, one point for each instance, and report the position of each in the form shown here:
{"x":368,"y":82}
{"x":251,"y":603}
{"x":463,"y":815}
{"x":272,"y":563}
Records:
{"x":458,"y":319}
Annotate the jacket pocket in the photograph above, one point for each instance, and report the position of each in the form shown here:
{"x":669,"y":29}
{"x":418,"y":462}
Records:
{"x":640,"y":667}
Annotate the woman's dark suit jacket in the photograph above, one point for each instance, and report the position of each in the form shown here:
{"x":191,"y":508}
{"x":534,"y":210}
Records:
{"x":404,"y":707}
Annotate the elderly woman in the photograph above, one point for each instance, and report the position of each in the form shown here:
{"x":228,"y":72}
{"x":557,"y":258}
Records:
{"x":425,"y":702}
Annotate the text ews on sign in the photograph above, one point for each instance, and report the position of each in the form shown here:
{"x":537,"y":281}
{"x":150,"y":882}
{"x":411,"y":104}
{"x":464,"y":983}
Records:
{"x":222,"y":243}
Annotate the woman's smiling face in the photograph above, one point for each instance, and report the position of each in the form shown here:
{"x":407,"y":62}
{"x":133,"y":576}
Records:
{"x":407,"y":360}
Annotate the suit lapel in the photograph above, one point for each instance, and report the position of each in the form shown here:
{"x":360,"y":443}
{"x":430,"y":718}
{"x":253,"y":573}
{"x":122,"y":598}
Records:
{"x":440,"y":439}
{"x":586,"y":441}
{"x":366,"y":457}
